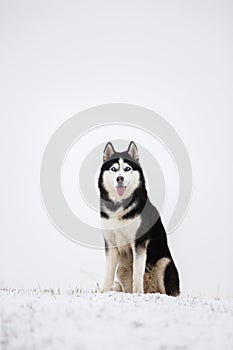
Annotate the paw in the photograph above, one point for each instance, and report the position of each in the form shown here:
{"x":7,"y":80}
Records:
{"x":105,"y":288}
{"x":138,"y":289}
{"x":117,"y":287}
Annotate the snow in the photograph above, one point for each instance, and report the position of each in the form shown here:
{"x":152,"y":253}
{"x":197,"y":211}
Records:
{"x":37,"y":319}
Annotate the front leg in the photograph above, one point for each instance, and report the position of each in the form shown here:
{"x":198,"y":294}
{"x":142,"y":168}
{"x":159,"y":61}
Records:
{"x":139,"y":263}
{"x":112,"y":257}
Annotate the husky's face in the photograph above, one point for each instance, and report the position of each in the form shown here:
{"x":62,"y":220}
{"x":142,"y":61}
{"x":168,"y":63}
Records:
{"x":120,"y":173}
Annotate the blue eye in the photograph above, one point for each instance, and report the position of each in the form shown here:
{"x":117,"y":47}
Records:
{"x":127,"y":168}
{"x":113,"y":169}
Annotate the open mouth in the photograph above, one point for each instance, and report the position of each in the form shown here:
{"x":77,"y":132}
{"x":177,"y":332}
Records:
{"x":120,"y":190}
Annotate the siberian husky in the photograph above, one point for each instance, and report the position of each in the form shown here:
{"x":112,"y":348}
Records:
{"x":138,"y":259}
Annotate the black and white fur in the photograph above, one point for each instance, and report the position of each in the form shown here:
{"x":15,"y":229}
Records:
{"x":137,"y":255}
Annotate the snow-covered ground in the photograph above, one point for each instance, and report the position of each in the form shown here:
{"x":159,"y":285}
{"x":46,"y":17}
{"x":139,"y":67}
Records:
{"x":89,"y":320}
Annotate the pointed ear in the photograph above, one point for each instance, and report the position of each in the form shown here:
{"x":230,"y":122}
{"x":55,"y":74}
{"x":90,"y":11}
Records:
{"x":108,"y":151}
{"x":133,"y":151}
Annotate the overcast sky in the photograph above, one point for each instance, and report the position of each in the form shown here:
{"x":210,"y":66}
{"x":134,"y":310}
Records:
{"x":61,"y":57}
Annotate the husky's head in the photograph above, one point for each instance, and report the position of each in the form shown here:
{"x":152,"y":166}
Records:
{"x":120,"y":174}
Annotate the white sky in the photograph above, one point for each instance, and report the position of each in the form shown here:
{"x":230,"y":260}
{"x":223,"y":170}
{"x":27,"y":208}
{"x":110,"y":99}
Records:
{"x":60,"y":57}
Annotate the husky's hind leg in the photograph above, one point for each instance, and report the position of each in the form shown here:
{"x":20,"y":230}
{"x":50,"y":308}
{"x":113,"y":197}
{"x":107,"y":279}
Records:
{"x":117,"y":287}
{"x":125,"y":277}
{"x":125,"y":273}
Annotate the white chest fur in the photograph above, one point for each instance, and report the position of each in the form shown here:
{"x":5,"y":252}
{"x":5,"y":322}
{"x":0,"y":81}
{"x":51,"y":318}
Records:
{"x":119,"y":232}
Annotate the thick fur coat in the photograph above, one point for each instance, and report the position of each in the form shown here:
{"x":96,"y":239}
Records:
{"x":137,"y":255}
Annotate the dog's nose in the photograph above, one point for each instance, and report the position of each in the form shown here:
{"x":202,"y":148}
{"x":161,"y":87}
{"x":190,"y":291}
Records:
{"x":120,"y":179}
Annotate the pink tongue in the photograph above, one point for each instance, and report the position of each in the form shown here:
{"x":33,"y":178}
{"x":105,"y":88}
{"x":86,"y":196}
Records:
{"x":120,"y":190}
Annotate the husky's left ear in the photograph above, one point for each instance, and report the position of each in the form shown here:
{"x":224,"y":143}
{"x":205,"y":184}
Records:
{"x":108,"y":151}
{"x":133,"y":151}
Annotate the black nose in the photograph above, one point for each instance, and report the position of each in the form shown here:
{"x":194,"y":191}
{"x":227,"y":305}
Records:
{"x":120,"y":179}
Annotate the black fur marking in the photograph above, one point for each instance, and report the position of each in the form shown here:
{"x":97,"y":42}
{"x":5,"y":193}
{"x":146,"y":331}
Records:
{"x":171,"y":280}
{"x":104,"y":215}
{"x":106,"y":246}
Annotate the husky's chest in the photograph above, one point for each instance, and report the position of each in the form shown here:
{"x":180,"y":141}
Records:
{"x":119,"y":232}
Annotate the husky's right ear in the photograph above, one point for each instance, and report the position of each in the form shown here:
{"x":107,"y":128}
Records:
{"x":108,"y":151}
